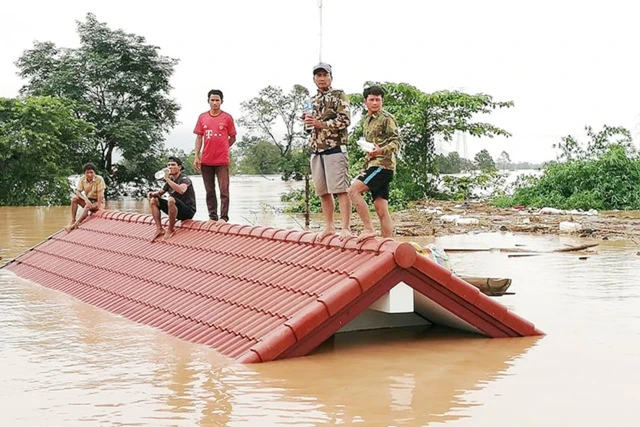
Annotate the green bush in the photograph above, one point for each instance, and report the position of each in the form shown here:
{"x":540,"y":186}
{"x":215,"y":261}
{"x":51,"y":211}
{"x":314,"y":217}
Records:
{"x":610,"y":180}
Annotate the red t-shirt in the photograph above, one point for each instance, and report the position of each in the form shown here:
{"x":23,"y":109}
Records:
{"x":215,"y":133}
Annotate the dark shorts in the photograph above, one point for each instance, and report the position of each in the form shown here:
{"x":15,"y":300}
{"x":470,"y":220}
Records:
{"x":377,"y":179}
{"x":184,"y":211}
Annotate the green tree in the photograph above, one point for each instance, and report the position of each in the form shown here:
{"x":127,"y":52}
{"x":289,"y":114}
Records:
{"x":601,"y":173}
{"x":504,"y":160}
{"x":423,"y":116}
{"x":484,"y":162}
{"x":119,"y":83}
{"x":597,"y":143}
{"x":276,"y":117}
{"x":259,"y":157}
{"x":451,"y":163}
{"x":41,"y":144}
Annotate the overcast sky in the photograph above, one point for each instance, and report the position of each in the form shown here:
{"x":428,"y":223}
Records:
{"x":565,"y":64}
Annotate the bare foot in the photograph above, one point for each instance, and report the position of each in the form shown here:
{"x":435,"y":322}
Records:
{"x":366,"y":234}
{"x":345,"y":234}
{"x":72,"y":226}
{"x":168,"y":234}
{"x":159,"y":232}
{"x":222,"y":221}
{"x":325,"y":233}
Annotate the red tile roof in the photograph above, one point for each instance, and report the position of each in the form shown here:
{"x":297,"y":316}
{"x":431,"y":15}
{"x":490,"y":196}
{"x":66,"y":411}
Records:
{"x":254,"y":294}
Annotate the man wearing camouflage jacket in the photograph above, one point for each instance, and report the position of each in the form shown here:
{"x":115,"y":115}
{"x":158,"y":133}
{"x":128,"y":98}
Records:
{"x":381,"y":129}
{"x":329,"y":121}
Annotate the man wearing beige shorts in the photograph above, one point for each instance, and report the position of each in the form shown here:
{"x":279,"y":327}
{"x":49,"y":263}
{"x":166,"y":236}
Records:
{"x":328,"y":122}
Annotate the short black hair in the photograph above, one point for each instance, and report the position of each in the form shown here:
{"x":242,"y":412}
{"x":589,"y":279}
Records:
{"x":373,"y":90}
{"x":215,"y":92}
{"x":88,"y":166}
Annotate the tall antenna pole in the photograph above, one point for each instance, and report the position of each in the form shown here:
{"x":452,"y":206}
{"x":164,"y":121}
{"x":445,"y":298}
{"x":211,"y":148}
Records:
{"x":320,"y":31}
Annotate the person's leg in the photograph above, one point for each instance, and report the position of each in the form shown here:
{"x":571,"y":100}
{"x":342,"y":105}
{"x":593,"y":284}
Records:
{"x":336,"y":169}
{"x":382,"y":209}
{"x":355,"y":194}
{"x":75,"y":202}
{"x":209,"y":180}
{"x":154,"y":204}
{"x":83,"y":216}
{"x":222,"y":172}
{"x":326,"y":199}
{"x":172,"y":213}
{"x":344,"y":204}
{"x":184,"y":212}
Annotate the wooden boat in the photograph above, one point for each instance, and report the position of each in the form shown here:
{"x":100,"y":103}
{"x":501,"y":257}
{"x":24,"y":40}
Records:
{"x":489,"y":285}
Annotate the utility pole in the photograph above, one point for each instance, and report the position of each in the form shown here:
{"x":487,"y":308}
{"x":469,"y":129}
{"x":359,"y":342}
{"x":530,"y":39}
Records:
{"x":461,"y":137}
{"x":320,"y":31}
{"x":637,"y":131}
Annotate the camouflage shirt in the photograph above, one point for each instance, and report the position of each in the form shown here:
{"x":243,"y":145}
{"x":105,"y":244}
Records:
{"x":332,"y":108}
{"x":382,"y":130}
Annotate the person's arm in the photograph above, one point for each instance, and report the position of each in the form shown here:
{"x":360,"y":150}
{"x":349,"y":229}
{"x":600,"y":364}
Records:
{"x":231,"y":126}
{"x":198,"y":155}
{"x":81,"y":195}
{"x":393,"y":137}
{"x":100,"y":200}
{"x":343,"y":114}
{"x":158,"y":193}
{"x":80,"y":191}
{"x":199,"y":131}
{"x":179,"y":188}
{"x":392,"y":140}
{"x":342,"y":119}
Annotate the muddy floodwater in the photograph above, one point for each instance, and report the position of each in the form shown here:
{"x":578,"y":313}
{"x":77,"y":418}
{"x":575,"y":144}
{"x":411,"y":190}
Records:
{"x":65,"y":363}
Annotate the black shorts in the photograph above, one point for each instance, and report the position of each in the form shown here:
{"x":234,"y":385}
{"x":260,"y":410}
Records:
{"x":377,"y":179}
{"x":184,"y":211}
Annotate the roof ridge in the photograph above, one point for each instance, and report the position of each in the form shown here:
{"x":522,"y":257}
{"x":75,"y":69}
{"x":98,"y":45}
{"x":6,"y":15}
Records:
{"x":260,"y":232}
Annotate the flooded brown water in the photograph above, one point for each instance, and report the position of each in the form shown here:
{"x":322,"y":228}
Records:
{"x":65,"y":363}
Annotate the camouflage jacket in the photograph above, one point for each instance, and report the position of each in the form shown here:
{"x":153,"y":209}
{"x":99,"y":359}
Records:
{"x":332,"y":108}
{"x":382,"y":130}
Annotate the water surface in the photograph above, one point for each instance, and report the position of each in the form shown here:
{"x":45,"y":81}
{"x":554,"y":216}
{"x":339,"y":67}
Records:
{"x":65,"y":363}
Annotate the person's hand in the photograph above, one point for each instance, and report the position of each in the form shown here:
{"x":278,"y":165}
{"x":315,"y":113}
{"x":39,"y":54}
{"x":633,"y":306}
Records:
{"x":197,"y":163}
{"x":152,"y":194}
{"x":309,"y":120}
{"x":377,"y":151}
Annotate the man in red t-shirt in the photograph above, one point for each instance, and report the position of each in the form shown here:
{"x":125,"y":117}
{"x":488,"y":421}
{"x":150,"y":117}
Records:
{"x":216,"y":133}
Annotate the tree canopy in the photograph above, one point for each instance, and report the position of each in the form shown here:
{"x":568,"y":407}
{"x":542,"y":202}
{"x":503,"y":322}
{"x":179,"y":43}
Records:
{"x":601,"y":172}
{"x":42,"y":142}
{"x":275,"y":117}
{"x":119,"y":84}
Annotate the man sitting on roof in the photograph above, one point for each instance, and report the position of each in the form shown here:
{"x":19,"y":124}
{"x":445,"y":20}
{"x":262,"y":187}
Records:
{"x":181,"y":203}
{"x":89,"y":194}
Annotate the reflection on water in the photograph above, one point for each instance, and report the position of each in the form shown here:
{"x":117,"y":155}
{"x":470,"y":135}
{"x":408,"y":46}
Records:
{"x":63,"y":362}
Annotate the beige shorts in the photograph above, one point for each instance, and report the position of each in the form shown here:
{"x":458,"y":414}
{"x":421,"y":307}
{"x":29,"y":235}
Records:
{"x":330,"y":173}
